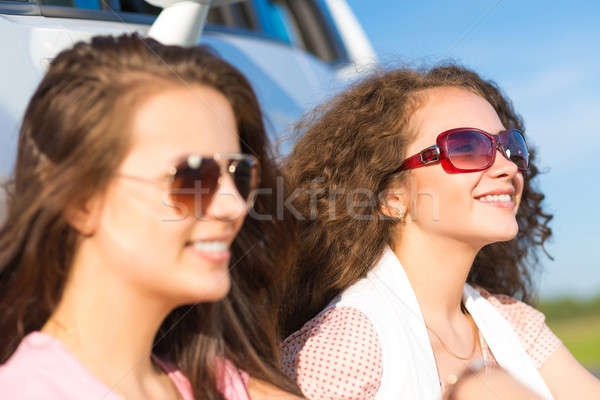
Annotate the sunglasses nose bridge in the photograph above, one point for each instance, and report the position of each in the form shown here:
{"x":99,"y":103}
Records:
{"x":226,"y":185}
{"x":502,"y":150}
{"x":227,"y":203}
{"x":505,"y":152}
{"x":226,"y":170}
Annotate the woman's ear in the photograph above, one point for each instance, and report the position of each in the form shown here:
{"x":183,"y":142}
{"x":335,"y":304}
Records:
{"x":85,"y":215}
{"x":393,"y":202}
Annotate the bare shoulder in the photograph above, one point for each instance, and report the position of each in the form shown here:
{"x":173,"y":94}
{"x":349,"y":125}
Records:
{"x":261,"y":390}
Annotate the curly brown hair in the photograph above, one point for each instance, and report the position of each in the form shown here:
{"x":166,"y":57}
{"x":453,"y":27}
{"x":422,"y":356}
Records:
{"x":355,"y":142}
{"x":70,"y":144}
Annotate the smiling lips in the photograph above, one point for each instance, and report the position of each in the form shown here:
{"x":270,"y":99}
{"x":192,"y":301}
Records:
{"x":210,"y":246}
{"x":498,"y":200}
{"x":216,"y":251}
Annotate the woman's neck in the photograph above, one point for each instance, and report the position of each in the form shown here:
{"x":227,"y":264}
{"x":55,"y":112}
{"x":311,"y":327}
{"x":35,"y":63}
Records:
{"x":437,"y":268}
{"x":108,"y":325}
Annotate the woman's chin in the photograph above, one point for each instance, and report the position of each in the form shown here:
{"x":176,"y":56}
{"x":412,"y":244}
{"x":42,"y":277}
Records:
{"x":205,"y":290}
{"x":505,"y":235}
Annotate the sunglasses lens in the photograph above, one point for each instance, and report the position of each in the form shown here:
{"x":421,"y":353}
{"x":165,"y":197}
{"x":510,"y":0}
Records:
{"x":193,"y":187}
{"x":469,"y":150}
{"x":245,"y":177}
{"x":515,"y":148}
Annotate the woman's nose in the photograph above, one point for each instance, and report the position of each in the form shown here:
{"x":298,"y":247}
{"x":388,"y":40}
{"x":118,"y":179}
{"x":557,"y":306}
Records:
{"x":503,"y":166}
{"x":227,"y":203}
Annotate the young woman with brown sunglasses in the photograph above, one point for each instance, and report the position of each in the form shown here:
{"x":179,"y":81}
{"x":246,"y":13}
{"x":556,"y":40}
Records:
{"x":128,"y":268}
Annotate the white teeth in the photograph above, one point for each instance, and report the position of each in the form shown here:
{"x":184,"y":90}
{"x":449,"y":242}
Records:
{"x":496,"y":198}
{"x":210,"y":246}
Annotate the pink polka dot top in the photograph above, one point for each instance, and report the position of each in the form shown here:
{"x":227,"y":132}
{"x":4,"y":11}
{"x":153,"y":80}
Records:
{"x":337,"y":354}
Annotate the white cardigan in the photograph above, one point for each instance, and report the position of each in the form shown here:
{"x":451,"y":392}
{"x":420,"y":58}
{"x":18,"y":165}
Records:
{"x":386,"y":297}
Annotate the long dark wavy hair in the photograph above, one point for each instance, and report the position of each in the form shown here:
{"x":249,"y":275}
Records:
{"x":355,"y":141}
{"x":70,"y":144}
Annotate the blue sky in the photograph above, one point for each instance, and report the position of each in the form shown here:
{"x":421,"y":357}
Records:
{"x":546,"y":57}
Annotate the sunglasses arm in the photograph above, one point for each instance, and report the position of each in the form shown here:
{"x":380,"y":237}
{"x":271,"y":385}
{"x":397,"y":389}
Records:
{"x":422,"y":158}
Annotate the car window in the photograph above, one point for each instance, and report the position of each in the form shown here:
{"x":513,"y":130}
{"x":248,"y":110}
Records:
{"x":304,"y":24}
{"x":87,"y":4}
{"x":236,"y":16}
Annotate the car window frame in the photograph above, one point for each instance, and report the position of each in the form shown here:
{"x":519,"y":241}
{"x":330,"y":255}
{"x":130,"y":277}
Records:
{"x":33,"y":8}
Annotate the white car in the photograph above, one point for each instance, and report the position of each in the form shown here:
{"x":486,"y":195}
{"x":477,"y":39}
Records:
{"x":294,"y":52}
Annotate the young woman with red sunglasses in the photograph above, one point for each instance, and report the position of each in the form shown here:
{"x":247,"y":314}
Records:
{"x":127,"y":267}
{"x":420,"y":226}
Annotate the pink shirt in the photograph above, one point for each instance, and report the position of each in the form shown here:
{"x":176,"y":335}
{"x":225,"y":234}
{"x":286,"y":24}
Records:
{"x":337,"y":354}
{"x":43,"y":368}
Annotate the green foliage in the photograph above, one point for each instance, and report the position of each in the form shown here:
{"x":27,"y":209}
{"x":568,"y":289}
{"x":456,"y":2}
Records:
{"x":577,"y":324}
{"x":582,"y":337}
{"x":570,"y":308}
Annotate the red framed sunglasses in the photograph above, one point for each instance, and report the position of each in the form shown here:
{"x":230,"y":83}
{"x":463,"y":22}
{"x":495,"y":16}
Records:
{"x":195,"y":180}
{"x":462,"y":150}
